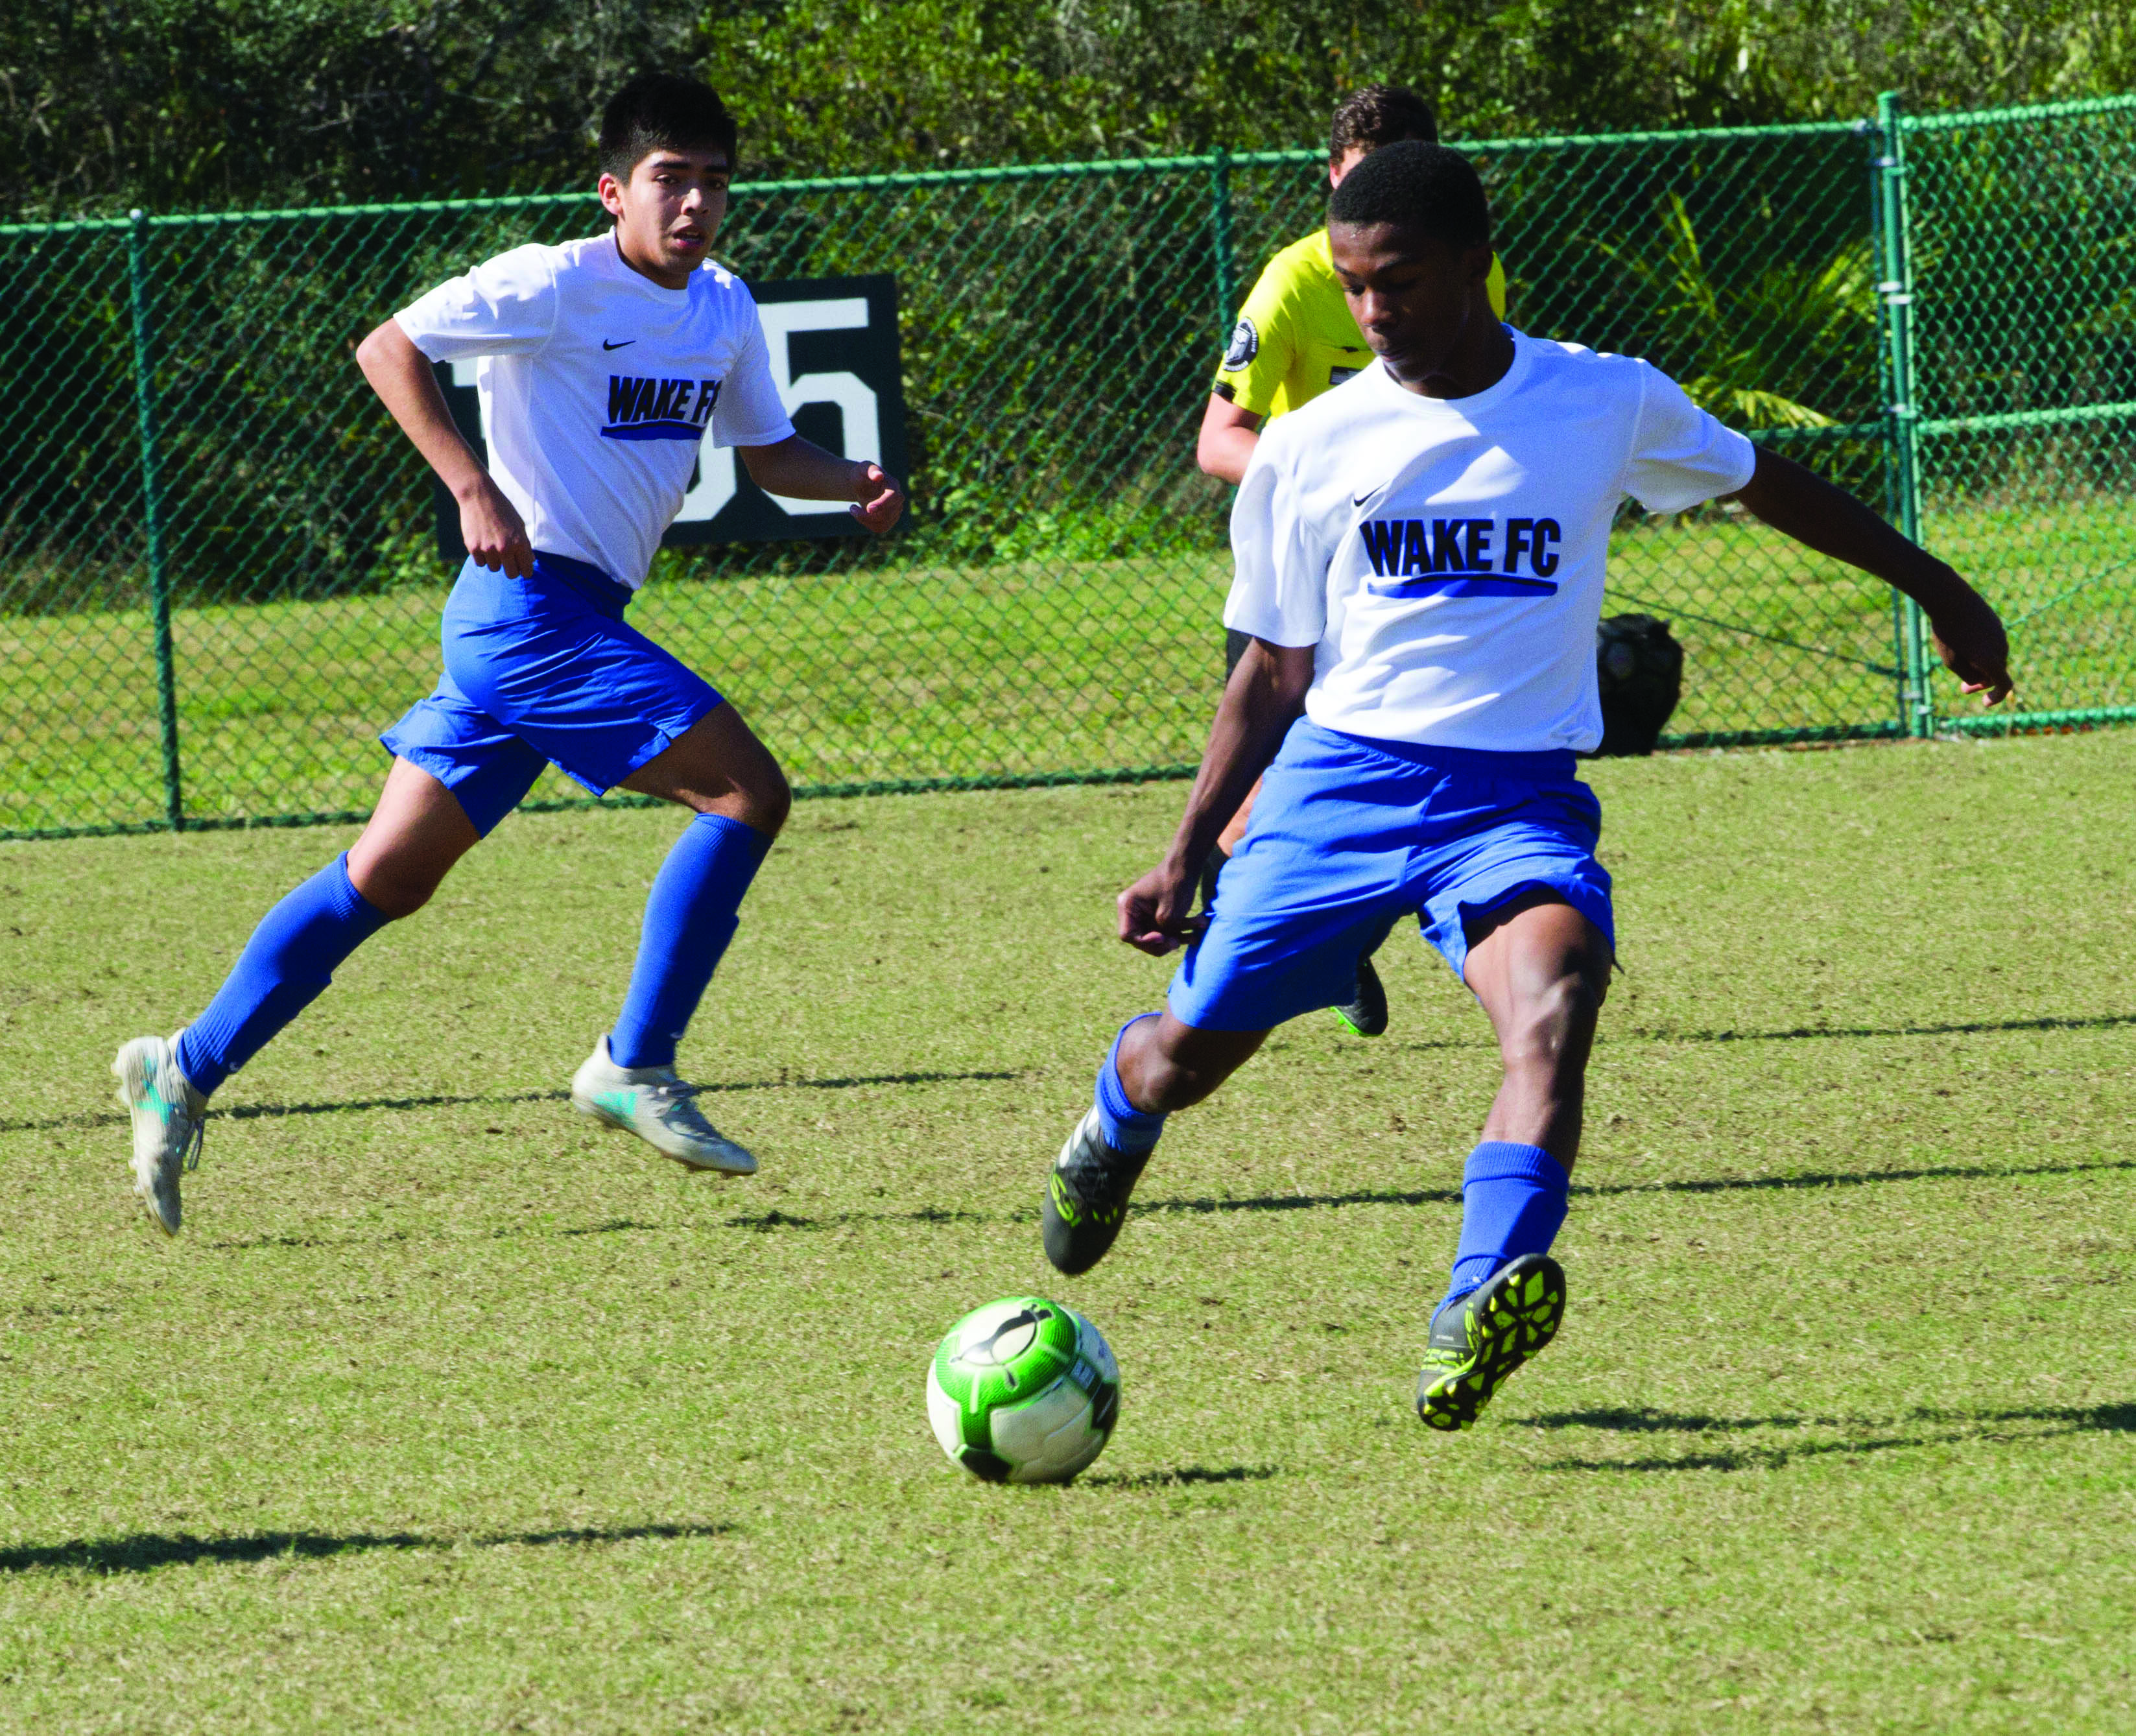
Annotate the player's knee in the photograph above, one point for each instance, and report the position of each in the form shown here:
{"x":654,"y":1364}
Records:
{"x":769,"y":799}
{"x":397,"y":905}
{"x":1181,"y":1074}
{"x":395,"y":889}
{"x":1169,"y":1087}
{"x":1558,"y":1021}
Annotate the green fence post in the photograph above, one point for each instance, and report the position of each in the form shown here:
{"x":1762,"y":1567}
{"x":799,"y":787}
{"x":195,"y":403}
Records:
{"x":151,"y":511}
{"x":1219,"y":236}
{"x":1894,"y":291}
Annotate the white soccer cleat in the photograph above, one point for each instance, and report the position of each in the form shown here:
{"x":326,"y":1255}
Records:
{"x":653,"y":1103}
{"x":168,"y":1124}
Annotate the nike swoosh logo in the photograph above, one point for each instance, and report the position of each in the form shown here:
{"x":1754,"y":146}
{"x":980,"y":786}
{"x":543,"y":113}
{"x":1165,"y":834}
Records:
{"x":1368,"y":494}
{"x":625,"y":344}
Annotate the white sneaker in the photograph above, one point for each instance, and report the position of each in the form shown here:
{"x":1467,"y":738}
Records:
{"x":653,"y":1103}
{"x":168,"y":1123}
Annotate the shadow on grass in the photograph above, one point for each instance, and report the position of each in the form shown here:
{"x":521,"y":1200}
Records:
{"x":764,"y":1222}
{"x":1184,"y":1476}
{"x":147,"y":1551}
{"x":1974,"y":1028}
{"x":358,"y":1106}
{"x":1649,"y":1421}
{"x":767,"y":1223}
{"x":1930,"y":1428}
{"x":1747,"y":1183}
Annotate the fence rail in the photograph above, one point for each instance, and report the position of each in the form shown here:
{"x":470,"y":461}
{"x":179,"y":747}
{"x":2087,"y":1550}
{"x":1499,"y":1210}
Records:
{"x":217,"y":581}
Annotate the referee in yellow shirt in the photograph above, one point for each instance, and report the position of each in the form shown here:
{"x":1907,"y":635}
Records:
{"x":1296,"y":338}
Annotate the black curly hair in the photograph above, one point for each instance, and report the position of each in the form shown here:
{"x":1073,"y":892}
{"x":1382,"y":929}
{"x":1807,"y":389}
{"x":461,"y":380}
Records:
{"x":1421,"y":186}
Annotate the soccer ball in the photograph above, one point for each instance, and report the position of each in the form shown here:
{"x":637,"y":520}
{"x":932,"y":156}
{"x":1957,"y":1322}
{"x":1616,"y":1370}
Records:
{"x":1023,"y":1391}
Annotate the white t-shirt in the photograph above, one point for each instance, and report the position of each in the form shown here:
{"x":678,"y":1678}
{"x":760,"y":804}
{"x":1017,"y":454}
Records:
{"x":1446,"y":556}
{"x":597,"y":387}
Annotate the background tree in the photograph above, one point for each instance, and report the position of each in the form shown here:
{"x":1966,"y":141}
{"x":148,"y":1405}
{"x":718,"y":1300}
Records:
{"x":192,"y":103}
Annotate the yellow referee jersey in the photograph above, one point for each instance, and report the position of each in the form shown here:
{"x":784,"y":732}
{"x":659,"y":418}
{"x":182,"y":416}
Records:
{"x":1296,"y":338}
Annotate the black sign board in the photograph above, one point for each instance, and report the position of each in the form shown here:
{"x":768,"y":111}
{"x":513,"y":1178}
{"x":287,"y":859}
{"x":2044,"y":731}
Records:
{"x":834,"y":356}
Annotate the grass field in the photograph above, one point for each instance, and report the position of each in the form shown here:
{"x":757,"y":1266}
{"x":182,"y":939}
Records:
{"x":1042,"y":666}
{"x":450,"y":1413}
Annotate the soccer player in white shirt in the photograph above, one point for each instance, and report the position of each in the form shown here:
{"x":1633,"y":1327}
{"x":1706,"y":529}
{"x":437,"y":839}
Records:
{"x":1419,"y":562}
{"x":604,"y":364}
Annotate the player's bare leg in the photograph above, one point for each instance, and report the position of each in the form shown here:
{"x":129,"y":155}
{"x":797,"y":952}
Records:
{"x":1540,"y":969}
{"x":1157,"y":1065}
{"x":719,"y":767}
{"x":413,"y":840}
{"x":1167,"y":1066}
{"x":727,"y":778}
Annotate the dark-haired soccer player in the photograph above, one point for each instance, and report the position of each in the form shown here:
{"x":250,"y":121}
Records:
{"x":1420,"y":565}
{"x":604,"y":364}
{"x":1296,"y":338}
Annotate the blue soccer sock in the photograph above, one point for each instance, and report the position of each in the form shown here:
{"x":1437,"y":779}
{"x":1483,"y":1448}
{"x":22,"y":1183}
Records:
{"x":1512,"y":1203}
{"x":292,"y":955}
{"x":1127,"y":1129}
{"x":690,"y":916}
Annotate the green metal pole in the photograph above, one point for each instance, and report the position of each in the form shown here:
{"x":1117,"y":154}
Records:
{"x":1219,"y":233}
{"x":1895,"y":290}
{"x":152,"y":512}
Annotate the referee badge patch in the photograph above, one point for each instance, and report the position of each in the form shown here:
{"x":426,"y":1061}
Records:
{"x":1245,"y":345}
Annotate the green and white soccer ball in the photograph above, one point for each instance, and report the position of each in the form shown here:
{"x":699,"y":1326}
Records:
{"x":1023,"y":1391}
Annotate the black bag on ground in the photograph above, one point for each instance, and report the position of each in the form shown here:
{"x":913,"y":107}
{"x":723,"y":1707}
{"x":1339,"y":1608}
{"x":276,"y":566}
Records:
{"x":1639,"y":668}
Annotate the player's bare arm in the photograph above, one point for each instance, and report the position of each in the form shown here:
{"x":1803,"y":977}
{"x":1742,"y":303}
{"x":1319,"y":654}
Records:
{"x":1225,"y":446}
{"x":801,"y":469}
{"x":1261,"y":701}
{"x":1799,"y":504}
{"x":490,"y":526}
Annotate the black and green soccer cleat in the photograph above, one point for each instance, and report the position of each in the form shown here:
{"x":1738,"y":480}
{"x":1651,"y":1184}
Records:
{"x":1478,"y":1339}
{"x":1086,"y":1197}
{"x":1366,"y":1013}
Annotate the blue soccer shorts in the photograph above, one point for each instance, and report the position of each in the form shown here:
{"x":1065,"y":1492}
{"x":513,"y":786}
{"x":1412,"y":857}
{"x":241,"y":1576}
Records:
{"x":543,"y":671}
{"x":1348,"y":836}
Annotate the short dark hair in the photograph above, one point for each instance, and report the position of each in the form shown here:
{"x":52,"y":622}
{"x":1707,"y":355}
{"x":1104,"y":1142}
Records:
{"x":1379,"y":114}
{"x":661,"y":111}
{"x":1422,"y":187}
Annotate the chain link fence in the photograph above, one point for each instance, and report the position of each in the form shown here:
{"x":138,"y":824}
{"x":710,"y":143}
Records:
{"x":218,"y":578}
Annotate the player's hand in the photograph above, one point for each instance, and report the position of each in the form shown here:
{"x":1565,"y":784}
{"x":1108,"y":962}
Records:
{"x":493,"y":532}
{"x":878,"y":498}
{"x":1154,"y":911}
{"x":1974,"y":648}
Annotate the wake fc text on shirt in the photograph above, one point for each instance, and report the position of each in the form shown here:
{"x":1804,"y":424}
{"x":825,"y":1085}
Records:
{"x":1446,"y":556}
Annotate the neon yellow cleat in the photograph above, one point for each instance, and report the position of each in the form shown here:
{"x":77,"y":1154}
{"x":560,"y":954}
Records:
{"x":1478,"y":1339}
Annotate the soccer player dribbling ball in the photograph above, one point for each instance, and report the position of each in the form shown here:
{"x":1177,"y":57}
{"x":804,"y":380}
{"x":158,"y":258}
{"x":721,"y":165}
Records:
{"x":1296,"y":338}
{"x":1420,"y":565}
{"x":604,"y":363}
